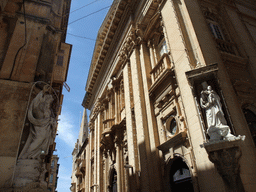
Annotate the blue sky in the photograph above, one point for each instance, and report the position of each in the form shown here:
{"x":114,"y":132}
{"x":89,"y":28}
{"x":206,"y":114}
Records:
{"x":81,"y":56}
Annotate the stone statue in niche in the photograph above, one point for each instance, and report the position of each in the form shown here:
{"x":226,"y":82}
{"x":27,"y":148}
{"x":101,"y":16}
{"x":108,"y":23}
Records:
{"x":43,"y":122}
{"x":217,"y":127}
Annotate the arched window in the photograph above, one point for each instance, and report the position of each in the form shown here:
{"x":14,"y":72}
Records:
{"x":180,"y":178}
{"x":251,"y":121}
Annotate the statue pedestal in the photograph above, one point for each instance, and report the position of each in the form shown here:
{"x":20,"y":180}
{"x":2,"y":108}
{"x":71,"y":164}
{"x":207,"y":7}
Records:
{"x":225,"y":155}
{"x":29,"y":175}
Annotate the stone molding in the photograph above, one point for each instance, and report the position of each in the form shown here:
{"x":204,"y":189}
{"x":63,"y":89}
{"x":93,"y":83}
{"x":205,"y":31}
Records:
{"x":176,"y":140}
{"x":104,"y":40}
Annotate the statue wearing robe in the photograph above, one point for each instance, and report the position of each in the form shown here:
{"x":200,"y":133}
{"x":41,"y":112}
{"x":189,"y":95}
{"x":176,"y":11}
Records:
{"x":42,"y":124}
{"x":217,"y":127}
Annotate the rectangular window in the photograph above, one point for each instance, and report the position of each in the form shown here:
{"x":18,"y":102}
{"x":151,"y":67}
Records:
{"x":216,"y":30}
{"x":52,"y":165}
{"x":60,"y":60}
{"x":163,"y":48}
{"x":51,"y":178}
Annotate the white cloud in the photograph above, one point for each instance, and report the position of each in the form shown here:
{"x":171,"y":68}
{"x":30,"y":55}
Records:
{"x":64,"y":175}
{"x":66,"y":129}
{"x":64,"y":183}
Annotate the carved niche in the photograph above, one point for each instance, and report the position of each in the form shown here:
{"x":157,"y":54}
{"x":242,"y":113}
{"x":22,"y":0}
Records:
{"x":222,"y":147}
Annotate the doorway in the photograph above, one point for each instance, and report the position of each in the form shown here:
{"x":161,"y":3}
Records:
{"x":180,"y":177}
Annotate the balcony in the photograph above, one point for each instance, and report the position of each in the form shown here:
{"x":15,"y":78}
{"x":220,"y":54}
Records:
{"x":163,"y":65}
{"x":160,"y":72}
{"x":107,"y":136}
{"x":108,"y":123}
{"x":226,"y":46}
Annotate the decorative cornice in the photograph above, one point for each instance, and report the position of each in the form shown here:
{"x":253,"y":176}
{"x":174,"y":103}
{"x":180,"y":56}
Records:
{"x":176,"y":140}
{"x":197,"y":73}
{"x":120,"y":10}
{"x":104,"y":39}
{"x":86,"y":99}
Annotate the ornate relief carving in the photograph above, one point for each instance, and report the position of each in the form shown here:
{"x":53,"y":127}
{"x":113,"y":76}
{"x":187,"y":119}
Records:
{"x":91,"y":126}
{"x":133,"y":39}
{"x":119,"y":137}
{"x":97,"y":108}
{"x":225,"y":156}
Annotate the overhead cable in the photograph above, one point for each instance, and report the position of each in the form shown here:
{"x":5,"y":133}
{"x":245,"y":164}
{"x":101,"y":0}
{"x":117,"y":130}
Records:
{"x":82,"y":7}
{"x":81,"y":37}
{"x":89,"y":15}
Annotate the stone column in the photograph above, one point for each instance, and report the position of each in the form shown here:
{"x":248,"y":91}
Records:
{"x":104,"y":165}
{"x":141,"y":123}
{"x":117,"y":108}
{"x":152,"y":124}
{"x":97,"y":152}
{"x":95,"y":156}
{"x":118,"y":161}
{"x":152,"y":55}
{"x":90,"y":156}
{"x":131,"y":138}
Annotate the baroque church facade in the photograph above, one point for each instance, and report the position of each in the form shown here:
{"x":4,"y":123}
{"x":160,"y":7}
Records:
{"x":172,"y":98}
{"x":34,"y":61}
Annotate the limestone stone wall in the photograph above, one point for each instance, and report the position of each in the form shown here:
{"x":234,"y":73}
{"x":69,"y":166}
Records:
{"x":29,"y":50}
{"x":138,"y":132}
{"x":14,"y":102}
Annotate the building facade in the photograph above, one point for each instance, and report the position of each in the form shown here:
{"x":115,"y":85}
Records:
{"x":171,"y":90}
{"x":79,"y":157}
{"x":34,"y":61}
{"x":53,"y":174}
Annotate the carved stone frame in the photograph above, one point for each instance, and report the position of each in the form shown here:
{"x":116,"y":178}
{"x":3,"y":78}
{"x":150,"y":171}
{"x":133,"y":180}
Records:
{"x":209,"y":74}
{"x":167,"y":168}
{"x":168,"y":123}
